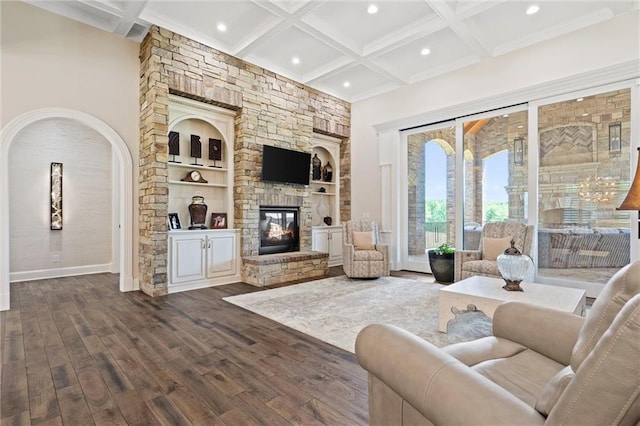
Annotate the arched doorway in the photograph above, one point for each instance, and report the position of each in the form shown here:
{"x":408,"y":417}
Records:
{"x":125,"y":166}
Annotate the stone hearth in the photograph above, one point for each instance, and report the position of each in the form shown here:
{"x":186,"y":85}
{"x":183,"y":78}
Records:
{"x":284,"y":267}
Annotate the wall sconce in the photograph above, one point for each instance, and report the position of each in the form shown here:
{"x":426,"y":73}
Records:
{"x":518,"y":151}
{"x":615,"y":138}
{"x":56,"y":196}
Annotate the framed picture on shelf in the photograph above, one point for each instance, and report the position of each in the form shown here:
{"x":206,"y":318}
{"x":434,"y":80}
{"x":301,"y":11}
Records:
{"x":174,"y":221}
{"x":218,"y":221}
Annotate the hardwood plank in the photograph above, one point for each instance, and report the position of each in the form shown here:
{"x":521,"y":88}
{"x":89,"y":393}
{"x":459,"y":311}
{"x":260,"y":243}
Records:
{"x":43,"y":400}
{"x":134,"y":409}
{"x":293,"y":413}
{"x":73,"y":406}
{"x":166,"y":412}
{"x":14,"y":394}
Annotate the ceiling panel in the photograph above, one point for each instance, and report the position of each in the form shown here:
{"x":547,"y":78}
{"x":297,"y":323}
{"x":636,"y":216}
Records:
{"x":280,"y":49}
{"x":349,"y":20}
{"x":446,"y":48}
{"x":508,"y":21}
{"x":244,"y":20}
{"x":362,"y":83}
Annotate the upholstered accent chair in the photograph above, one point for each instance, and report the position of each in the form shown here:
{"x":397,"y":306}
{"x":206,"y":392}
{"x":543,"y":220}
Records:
{"x":363,"y":256}
{"x":481,"y":262}
{"x":541,"y":366}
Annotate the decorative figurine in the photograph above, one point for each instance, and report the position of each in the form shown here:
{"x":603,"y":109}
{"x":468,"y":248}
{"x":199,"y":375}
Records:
{"x":196,"y":149}
{"x":174,"y":146}
{"x":215,"y":151}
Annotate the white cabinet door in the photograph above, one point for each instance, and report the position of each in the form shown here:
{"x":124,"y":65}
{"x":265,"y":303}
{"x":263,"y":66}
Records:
{"x":187,"y":258}
{"x":335,"y":247}
{"x":221,"y":255}
{"x":320,"y":240}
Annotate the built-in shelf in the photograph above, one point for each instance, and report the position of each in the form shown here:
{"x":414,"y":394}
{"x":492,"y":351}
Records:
{"x":215,"y":185}
{"x":321,"y":182}
{"x":201,"y":167}
{"x":323,"y":193}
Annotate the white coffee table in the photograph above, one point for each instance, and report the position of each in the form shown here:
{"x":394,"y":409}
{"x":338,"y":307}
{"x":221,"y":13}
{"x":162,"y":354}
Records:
{"x":487,"y":293}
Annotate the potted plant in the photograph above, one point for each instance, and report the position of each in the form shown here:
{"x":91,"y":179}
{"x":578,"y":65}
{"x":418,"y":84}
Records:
{"x":441,"y":262}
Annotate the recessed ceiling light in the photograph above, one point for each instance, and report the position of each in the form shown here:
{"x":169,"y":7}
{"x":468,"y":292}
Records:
{"x":579,"y":99}
{"x":372,"y":9}
{"x":505,"y":115}
{"x":425,"y":51}
{"x":222,"y":27}
{"x":520,"y":127}
{"x":532,"y":9}
{"x":584,"y":114}
{"x":295,"y":60}
{"x":346,"y":84}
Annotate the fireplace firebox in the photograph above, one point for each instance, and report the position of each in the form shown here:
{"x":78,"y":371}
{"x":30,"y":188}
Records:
{"x":279,"y":231}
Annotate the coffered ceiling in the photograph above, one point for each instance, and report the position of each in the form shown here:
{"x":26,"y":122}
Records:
{"x":339,"y":47}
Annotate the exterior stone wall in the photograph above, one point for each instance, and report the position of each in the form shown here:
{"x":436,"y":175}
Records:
{"x":496,"y":136}
{"x":271,"y":110}
{"x":560,"y":179}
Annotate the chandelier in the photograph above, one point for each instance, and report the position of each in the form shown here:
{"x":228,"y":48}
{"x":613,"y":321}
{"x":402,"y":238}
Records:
{"x":598,"y":189}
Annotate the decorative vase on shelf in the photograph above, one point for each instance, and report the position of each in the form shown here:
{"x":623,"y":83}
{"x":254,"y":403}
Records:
{"x":322,"y":209}
{"x":513,"y":266}
{"x":198,"y":212}
{"x":316,"y":167}
{"x":327,"y":172}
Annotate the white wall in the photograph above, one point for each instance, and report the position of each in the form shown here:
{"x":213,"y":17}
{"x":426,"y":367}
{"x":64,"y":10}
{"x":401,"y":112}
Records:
{"x":85,"y":240}
{"x":612,"y":42}
{"x":51,"y":61}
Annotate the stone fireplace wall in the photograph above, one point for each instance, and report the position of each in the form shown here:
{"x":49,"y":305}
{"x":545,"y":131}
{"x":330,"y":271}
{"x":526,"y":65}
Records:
{"x":271,"y":109}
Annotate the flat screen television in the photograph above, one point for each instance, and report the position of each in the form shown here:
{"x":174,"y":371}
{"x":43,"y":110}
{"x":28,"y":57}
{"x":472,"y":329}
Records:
{"x":285,"y":165}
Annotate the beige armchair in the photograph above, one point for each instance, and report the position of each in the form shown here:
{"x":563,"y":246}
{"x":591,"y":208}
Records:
{"x":475,"y":262}
{"x":541,"y":366}
{"x":363,"y":256}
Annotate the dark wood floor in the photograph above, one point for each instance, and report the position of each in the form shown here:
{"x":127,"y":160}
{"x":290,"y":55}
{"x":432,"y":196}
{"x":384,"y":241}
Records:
{"x":76,"y":351}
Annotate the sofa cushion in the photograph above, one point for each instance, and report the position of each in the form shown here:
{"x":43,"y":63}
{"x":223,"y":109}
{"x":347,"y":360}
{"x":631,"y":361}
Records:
{"x":621,"y":288}
{"x":494,"y":247}
{"x":525,"y":374}
{"x":553,"y":390}
{"x":363,"y":240}
{"x":482,"y":267}
{"x":367,"y":255}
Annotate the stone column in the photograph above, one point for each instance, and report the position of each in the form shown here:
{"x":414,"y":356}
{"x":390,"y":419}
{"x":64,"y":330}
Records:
{"x":416,"y":195}
{"x":153,"y":193}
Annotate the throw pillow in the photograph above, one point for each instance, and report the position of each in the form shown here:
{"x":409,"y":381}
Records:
{"x":494,"y":247}
{"x":363,"y":240}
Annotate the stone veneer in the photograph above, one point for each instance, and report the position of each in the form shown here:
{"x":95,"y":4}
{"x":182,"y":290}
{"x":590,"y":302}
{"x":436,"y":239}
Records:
{"x":271,"y":109}
{"x":284,"y":267}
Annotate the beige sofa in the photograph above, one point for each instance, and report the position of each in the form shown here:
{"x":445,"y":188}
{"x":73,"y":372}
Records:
{"x":541,"y":367}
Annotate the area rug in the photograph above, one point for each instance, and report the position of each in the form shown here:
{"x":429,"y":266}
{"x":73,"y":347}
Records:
{"x":335,"y":309}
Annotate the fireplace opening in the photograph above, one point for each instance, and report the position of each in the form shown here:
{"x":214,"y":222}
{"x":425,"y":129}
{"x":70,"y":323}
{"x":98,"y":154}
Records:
{"x":279,"y":231}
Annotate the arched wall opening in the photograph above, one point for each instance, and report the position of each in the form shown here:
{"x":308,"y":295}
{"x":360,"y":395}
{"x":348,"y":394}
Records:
{"x":123,"y":185}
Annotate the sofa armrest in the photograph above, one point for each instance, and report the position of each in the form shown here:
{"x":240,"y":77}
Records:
{"x":547,"y":331}
{"x":462,"y":256}
{"x":441,"y":388}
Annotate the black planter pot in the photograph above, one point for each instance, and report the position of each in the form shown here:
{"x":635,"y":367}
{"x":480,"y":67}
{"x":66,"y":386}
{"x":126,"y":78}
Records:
{"x":442,"y":266}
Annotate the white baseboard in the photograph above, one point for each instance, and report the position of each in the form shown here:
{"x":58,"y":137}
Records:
{"x":4,"y":301}
{"x":43,"y":274}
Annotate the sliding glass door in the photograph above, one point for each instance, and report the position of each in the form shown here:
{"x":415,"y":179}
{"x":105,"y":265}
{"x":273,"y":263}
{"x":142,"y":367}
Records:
{"x":584,"y":154}
{"x":495,"y":171}
{"x":430,"y":193}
